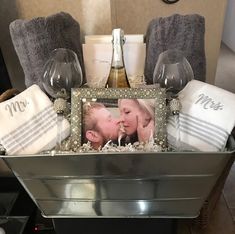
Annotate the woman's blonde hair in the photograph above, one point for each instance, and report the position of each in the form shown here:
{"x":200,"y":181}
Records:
{"x":147,"y":105}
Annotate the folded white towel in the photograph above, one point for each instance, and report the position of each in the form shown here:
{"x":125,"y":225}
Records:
{"x":28,"y":123}
{"x":206,"y":119}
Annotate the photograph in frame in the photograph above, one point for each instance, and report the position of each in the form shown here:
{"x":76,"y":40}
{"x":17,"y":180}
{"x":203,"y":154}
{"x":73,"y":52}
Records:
{"x":118,"y":116}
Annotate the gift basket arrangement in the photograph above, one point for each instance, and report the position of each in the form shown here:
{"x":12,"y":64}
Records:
{"x":146,"y":138}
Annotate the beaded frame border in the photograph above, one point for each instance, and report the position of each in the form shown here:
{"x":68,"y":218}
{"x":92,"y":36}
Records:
{"x":78,"y":94}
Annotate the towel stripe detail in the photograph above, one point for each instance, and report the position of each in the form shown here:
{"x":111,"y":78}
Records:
{"x":210,"y":131}
{"x":215,"y":128}
{"x":202,"y":130}
{"x":200,"y":137}
{"x":40,"y":133}
{"x":204,"y":123}
{"x":20,"y":133}
{"x":194,"y":133}
{"x":35,"y":135}
{"x":24,"y":127}
{"x":29,"y":132}
{"x":207,"y":132}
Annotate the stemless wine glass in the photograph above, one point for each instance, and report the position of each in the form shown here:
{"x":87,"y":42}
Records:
{"x":173,"y":72}
{"x":62,"y":72}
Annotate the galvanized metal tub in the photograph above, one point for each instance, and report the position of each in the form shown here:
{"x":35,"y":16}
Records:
{"x":165,"y":184}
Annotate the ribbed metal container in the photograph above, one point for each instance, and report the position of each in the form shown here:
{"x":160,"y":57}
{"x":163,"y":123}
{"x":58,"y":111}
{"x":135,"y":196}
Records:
{"x":119,"y":184}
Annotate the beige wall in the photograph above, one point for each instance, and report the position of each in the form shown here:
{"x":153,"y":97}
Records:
{"x":100,"y":16}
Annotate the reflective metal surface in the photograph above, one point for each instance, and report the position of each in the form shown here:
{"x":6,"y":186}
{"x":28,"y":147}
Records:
{"x":119,"y":184}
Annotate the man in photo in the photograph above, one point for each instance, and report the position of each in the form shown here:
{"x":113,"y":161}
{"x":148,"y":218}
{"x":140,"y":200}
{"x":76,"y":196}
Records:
{"x":99,"y":125}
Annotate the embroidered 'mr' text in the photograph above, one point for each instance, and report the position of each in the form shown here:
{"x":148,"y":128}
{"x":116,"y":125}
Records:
{"x":18,"y":106}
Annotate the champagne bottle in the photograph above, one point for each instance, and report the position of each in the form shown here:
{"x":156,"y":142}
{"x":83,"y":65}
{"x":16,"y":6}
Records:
{"x":117,"y":76}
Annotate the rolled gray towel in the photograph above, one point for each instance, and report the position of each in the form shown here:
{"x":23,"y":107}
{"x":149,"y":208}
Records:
{"x":35,"y":39}
{"x":183,"y":32}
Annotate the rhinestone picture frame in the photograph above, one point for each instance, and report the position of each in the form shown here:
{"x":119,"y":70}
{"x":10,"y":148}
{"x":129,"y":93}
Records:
{"x":81,"y":94}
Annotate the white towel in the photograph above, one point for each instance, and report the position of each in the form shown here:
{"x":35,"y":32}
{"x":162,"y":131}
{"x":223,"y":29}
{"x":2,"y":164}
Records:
{"x":206,"y":119}
{"x":28,"y":123}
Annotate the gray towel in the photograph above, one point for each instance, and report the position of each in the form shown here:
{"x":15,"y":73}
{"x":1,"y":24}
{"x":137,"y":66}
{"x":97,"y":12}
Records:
{"x":183,"y":32}
{"x":35,"y":39}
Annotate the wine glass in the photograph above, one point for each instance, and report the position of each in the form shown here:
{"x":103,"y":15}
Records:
{"x":173,"y":72}
{"x":62,"y":72}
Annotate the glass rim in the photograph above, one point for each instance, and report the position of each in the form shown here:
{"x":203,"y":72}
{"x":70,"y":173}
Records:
{"x":63,"y":49}
{"x":166,"y":59}
{"x":68,"y":52}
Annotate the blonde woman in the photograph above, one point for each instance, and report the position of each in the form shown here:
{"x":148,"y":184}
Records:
{"x":137,"y":118}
